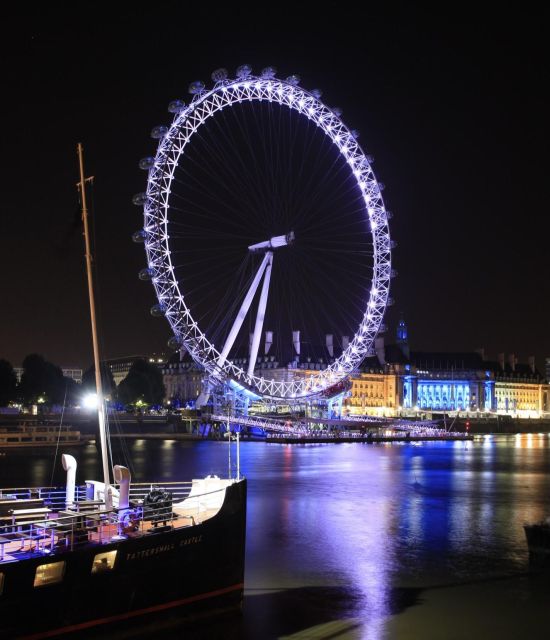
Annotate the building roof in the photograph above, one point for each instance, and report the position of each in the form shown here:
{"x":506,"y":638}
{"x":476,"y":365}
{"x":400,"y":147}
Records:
{"x":447,"y":361}
{"x":520,"y":371}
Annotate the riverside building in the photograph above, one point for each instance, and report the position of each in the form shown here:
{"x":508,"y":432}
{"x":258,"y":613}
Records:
{"x":394,"y":381}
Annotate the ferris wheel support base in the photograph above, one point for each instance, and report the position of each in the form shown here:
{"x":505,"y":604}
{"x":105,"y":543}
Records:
{"x":203,"y":399}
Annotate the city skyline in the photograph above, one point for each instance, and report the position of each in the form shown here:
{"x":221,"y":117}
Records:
{"x":452,"y":113}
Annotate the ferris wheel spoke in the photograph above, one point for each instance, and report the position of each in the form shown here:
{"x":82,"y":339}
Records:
{"x":202,"y":191}
{"x":237,"y":161}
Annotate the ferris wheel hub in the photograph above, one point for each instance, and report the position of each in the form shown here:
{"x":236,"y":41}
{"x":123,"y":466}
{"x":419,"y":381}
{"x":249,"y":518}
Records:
{"x":273,"y":243}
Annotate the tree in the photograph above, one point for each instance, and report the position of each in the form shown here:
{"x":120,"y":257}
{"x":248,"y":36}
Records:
{"x":8,"y":383}
{"x":72,"y":392}
{"x":41,"y":380}
{"x":107,"y":380}
{"x":143,"y":382}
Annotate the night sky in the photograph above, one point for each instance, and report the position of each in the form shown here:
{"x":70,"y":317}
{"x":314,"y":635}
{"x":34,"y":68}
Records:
{"x":452,"y":106}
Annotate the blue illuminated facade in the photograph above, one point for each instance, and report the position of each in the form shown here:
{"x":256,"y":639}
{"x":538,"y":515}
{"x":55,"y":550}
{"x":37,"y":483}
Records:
{"x":453,"y":382}
{"x":408,"y":400}
{"x":430,"y":381}
{"x":444,"y":394}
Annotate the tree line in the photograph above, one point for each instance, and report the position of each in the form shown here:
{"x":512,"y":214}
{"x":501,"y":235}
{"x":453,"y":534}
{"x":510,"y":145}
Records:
{"x":43,"y":382}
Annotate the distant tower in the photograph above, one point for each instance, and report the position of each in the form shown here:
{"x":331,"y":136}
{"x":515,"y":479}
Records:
{"x":402,"y":332}
{"x":403,"y":337}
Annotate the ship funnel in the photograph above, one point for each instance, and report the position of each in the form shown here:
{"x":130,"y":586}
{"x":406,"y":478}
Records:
{"x":69,"y":464}
{"x":122,"y":478}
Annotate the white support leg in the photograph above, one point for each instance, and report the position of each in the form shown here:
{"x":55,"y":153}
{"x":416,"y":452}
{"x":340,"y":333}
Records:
{"x":243,"y":311}
{"x":261,"y":315}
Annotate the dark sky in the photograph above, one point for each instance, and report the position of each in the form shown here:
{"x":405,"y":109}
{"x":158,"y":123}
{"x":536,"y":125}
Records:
{"x":452,"y":105}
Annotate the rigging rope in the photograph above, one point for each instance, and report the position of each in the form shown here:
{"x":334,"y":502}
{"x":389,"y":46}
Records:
{"x":59,"y":434}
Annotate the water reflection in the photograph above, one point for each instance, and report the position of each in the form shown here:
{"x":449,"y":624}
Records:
{"x":344,"y":539}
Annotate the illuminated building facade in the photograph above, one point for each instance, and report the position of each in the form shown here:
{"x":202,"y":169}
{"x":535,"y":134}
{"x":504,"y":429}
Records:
{"x":68,"y":372}
{"x":445,"y":382}
{"x":373,"y":393}
{"x":120,"y":367}
{"x":182,"y":378}
{"x":394,"y":381}
{"x":519,"y":389}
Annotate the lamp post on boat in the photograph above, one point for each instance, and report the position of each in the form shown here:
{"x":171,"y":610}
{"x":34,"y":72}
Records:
{"x":100,"y":402}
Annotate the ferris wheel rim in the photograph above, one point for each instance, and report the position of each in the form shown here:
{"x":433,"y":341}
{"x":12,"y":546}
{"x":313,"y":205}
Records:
{"x":205,"y":104}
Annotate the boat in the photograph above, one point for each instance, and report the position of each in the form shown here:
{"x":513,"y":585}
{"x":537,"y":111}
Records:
{"x":538,"y":538}
{"x":30,"y":435}
{"x":115,"y":552}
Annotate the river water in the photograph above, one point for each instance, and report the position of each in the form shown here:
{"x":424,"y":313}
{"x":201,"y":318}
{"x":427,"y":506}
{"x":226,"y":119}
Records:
{"x":405,"y":541}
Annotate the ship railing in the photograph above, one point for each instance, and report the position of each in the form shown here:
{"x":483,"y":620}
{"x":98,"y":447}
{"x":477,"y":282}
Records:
{"x":52,"y":497}
{"x":44,"y":531}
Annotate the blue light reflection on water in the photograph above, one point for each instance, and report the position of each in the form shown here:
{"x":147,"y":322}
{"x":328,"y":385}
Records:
{"x":352,"y":533}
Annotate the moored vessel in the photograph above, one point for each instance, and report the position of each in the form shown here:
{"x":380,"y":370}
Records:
{"x":538,"y":538}
{"x":28,"y":435}
{"x":110,"y":552}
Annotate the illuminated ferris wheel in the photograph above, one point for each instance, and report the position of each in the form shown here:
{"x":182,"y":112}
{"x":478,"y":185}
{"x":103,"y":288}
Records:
{"x":263,"y":216}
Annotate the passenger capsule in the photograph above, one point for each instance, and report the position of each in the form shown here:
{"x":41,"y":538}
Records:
{"x":381,"y":186}
{"x":139,"y":199}
{"x":293,"y":79}
{"x":219,"y":75}
{"x":244,"y":71}
{"x":159,"y":132}
{"x":158,"y":310}
{"x":196,"y":87}
{"x":370,"y":159}
{"x":147,"y":163}
{"x":393,"y":244}
{"x":316,"y":93}
{"x":268,"y":73}
{"x":393,"y":273}
{"x":174,"y":343}
{"x":139,"y":236}
{"x":337,"y":111}
{"x":390,"y":302}
{"x":383,"y":328}
{"x":389,"y":215}
{"x":146,"y":274}
{"x":176,"y":106}
{"x":355,"y":133}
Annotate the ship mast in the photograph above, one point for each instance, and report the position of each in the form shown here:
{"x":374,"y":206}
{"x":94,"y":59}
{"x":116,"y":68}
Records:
{"x":99,"y":387}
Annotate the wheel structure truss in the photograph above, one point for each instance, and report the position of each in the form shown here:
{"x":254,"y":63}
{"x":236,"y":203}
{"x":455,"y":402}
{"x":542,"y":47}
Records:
{"x":156,"y":201}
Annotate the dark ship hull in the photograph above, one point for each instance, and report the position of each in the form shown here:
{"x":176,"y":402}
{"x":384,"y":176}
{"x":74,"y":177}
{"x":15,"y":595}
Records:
{"x":538,"y":538}
{"x":190,"y":570}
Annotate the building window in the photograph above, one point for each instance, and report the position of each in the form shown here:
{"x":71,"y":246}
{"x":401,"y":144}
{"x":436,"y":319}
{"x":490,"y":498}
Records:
{"x":104,"y":562}
{"x":51,"y":573}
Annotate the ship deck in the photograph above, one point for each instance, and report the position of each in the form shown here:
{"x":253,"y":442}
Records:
{"x":33,"y":529}
{"x":45,"y":538}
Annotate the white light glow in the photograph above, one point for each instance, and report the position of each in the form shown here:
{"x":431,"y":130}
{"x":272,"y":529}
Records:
{"x":90,"y":401}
